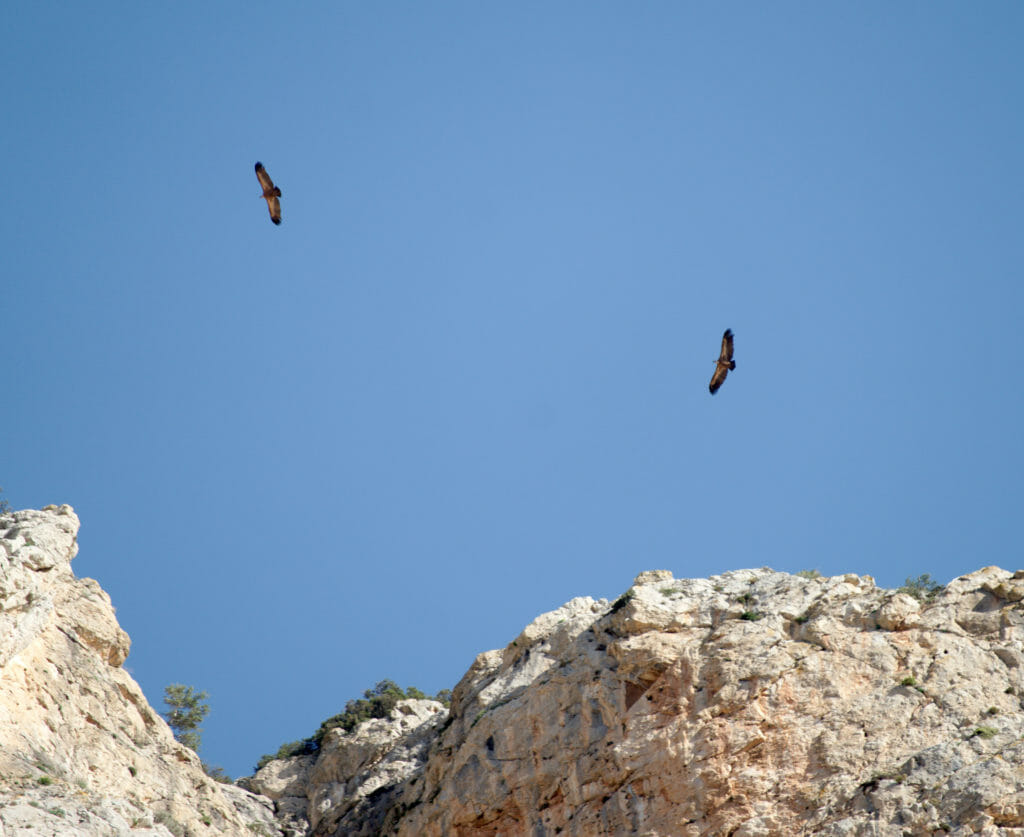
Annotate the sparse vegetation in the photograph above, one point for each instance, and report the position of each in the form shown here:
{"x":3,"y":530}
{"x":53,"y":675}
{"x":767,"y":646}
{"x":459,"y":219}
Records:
{"x":622,"y":601}
{"x":217,"y":773}
{"x":288,"y":750}
{"x":911,"y":683}
{"x":803,"y":617}
{"x":808,"y":574}
{"x":171,"y":824}
{"x":751,"y":615}
{"x":992,"y":710}
{"x":57,"y":812}
{"x":984,"y":732}
{"x":44,"y":765}
{"x":923,"y":588}
{"x":44,"y":780}
{"x":186,"y":711}
{"x":746,"y":599}
{"x":375,"y":703}
{"x":5,"y":507}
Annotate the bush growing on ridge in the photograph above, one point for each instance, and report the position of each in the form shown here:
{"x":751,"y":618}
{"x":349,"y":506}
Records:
{"x":923,"y":588}
{"x":375,"y":703}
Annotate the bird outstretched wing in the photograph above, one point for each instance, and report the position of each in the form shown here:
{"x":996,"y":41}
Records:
{"x":724,"y":362}
{"x":270,"y":192}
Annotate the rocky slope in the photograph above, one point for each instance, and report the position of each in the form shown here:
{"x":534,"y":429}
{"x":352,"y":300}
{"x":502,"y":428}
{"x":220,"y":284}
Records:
{"x":751,"y":703}
{"x":81,"y":751}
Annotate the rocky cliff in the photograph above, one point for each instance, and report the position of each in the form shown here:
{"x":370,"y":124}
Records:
{"x":750,"y":703}
{"x":81,"y":751}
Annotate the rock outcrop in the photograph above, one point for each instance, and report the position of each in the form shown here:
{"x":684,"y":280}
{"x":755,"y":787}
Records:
{"x":750,"y":703}
{"x":81,"y":750}
{"x":352,"y":783}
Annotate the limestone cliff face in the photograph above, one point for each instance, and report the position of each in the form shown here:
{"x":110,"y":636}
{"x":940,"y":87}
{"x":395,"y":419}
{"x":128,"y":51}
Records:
{"x":751,"y":703}
{"x":352,"y":784}
{"x":81,"y":751}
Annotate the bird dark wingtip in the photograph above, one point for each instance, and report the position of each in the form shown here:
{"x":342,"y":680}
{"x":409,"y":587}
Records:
{"x":276,"y":221}
{"x":259,"y":165}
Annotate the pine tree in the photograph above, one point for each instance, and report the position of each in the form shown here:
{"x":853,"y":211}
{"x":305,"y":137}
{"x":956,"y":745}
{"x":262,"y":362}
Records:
{"x":186,"y":713}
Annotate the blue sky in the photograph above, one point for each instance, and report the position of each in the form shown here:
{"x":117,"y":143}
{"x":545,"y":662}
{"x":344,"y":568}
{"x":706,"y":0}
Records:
{"x":466,"y":379}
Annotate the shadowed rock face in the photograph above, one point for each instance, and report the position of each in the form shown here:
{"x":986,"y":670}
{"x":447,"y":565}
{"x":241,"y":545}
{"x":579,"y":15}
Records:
{"x":751,"y":703}
{"x":81,"y":751}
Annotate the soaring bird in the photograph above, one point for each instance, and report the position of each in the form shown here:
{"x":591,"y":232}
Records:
{"x":724,"y":362}
{"x":270,"y":193}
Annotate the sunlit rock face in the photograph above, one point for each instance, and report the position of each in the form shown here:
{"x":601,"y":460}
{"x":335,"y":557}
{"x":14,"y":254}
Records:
{"x":750,"y":703}
{"x":351,"y":785}
{"x":81,"y":750}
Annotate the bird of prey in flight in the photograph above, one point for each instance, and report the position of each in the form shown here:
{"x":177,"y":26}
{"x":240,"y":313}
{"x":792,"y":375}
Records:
{"x":724,"y":362}
{"x":270,"y":193}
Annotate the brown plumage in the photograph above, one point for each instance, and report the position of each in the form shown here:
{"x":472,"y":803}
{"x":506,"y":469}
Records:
{"x":724,"y":362}
{"x":270,"y":193}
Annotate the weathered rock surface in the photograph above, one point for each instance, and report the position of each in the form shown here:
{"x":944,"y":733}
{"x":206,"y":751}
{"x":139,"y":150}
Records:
{"x":350,"y":785}
{"x":81,"y":750}
{"x":747,"y":704}
{"x":751,"y":703}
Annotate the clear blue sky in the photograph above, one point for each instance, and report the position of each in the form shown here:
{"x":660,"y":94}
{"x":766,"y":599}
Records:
{"x":466,"y":379}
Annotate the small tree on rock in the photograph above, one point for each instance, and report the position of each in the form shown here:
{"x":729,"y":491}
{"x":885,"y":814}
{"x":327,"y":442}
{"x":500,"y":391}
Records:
{"x":922,"y":588}
{"x":186,"y":711}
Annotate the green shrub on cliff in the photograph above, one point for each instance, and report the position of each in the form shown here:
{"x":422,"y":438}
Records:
{"x":922,"y":588}
{"x":375,"y":703}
